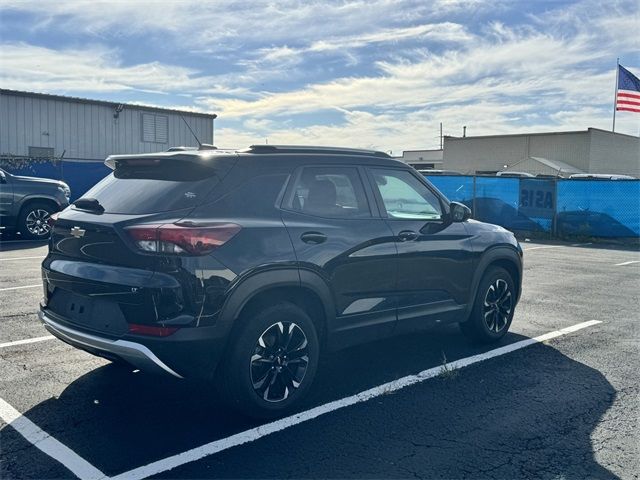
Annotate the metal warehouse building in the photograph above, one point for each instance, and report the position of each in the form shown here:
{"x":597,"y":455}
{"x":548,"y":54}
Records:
{"x":34,"y":125}
{"x":587,"y":151}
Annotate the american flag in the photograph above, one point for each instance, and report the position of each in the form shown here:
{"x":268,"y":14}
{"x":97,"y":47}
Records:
{"x":628,"y":93}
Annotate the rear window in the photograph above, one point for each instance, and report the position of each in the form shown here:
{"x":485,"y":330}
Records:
{"x":158,"y":188}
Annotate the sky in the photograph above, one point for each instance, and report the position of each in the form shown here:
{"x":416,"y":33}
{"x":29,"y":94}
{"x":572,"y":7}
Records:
{"x":378,"y":74}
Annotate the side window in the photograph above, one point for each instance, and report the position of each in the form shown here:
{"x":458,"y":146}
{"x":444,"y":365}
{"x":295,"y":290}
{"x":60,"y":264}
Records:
{"x":330,"y":192}
{"x":257,"y":196}
{"x":405,"y":197}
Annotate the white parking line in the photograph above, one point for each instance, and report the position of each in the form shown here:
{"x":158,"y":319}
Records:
{"x":19,"y":258}
{"x":557,"y":246}
{"x":540,"y":248}
{"x":26,"y":341}
{"x":47,"y":444}
{"x":626,"y":263}
{"x":20,"y":288}
{"x":267,"y":429}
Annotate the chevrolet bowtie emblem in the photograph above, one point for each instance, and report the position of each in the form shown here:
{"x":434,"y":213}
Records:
{"x":77,"y":232}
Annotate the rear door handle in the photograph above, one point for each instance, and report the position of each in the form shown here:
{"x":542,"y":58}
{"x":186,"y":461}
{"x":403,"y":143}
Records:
{"x":313,"y":238}
{"x":407,"y":235}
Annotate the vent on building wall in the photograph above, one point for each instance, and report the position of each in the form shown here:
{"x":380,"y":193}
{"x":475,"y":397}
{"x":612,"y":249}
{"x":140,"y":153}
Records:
{"x":155,"y":128}
{"x":40,"y":152}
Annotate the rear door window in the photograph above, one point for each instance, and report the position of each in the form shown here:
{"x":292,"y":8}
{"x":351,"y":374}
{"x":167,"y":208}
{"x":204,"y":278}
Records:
{"x":333,"y":192}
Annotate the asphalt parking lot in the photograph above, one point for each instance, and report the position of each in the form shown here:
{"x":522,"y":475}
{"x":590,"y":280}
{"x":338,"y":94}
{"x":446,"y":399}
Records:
{"x":557,"y":402}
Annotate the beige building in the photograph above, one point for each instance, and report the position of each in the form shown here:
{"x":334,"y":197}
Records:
{"x":423,"y":159}
{"x":563,"y":153}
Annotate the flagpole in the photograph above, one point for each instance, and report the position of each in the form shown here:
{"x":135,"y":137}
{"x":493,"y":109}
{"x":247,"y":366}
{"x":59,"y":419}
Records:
{"x":615,"y":96}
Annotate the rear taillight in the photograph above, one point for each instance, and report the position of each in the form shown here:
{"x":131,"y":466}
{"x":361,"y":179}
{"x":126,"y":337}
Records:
{"x":180,"y":239}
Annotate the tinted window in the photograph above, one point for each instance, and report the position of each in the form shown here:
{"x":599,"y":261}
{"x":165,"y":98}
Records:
{"x":405,"y":197}
{"x":256,"y":196}
{"x":330,"y":192}
{"x":152,"y":189}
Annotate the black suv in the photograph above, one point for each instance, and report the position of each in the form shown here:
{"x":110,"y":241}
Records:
{"x":26,"y":203}
{"x":242,"y":267}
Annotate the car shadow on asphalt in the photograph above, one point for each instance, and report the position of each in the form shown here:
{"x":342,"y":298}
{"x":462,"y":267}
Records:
{"x":535,"y":406}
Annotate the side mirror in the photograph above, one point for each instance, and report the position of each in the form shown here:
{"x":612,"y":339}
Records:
{"x":459,"y":212}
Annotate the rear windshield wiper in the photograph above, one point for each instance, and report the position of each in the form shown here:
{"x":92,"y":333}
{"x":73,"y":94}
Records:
{"x":89,"y":204}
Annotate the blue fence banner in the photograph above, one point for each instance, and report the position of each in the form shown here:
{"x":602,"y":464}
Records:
{"x":537,"y":198}
{"x":599,"y":208}
{"x":563,"y":207}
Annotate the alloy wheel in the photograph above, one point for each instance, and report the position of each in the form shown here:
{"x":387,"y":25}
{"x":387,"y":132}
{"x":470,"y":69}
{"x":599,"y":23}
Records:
{"x":498,"y":303}
{"x":36,"y":222}
{"x":279,"y":361}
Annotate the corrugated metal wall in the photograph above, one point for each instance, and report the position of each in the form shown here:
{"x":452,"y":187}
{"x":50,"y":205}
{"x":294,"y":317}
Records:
{"x":87,"y":131}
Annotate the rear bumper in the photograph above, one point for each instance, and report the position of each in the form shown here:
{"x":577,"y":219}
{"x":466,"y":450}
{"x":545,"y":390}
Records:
{"x":188,"y":353}
{"x":134,"y":353}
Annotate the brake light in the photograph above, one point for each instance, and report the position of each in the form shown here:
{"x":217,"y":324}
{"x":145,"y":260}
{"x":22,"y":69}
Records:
{"x":180,"y":239}
{"x":53,"y":218}
{"x":151,"y":330}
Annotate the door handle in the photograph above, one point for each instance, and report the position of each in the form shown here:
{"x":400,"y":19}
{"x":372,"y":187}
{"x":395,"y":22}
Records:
{"x":313,"y":238}
{"x":407,"y":235}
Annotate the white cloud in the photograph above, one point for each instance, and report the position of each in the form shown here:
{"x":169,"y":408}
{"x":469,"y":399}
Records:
{"x":551,"y":80}
{"x":440,"y":32}
{"x":212,"y":24}
{"x":555,"y":73}
{"x":97,"y":69}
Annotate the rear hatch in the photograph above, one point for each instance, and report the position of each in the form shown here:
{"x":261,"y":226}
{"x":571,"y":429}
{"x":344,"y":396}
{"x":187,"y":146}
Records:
{"x":91,"y":253}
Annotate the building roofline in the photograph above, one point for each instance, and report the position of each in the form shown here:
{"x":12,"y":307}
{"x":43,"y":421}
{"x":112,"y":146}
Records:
{"x":588,"y":130}
{"x":48,"y":96}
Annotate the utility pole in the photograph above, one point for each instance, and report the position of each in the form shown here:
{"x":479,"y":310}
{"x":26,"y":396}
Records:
{"x":615,"y":96}
{"x":441,"y":147}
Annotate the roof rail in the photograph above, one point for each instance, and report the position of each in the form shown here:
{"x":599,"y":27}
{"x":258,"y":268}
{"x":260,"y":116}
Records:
{"x":203,"y":146}
{"x":313,"y":149}
{"x":179,"y":149}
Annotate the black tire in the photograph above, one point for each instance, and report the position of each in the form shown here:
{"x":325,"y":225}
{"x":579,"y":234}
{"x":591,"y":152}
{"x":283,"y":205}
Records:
{"x":267,"y":382}
{"x":32,"y":221}
{"x":493,"y":307}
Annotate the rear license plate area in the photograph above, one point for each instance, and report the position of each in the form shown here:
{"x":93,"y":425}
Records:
{"x":79,"y":309}
{"x":95,"y":314}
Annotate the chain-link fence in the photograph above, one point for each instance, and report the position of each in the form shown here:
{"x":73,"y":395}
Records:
{"x":558,"y":207}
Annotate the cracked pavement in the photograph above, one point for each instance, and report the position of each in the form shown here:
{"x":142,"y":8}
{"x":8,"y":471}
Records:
{"x":565,"y":409}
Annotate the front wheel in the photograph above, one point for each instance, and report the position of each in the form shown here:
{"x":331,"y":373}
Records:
{"x":33,"y":222}
{"x":494,"y":307}
{"x":271,"y":363}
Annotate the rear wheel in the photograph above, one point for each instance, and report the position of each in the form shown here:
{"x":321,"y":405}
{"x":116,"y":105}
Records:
{"x":271,"y":363}
{"x":494,"y":307}
{"x":33,"y":220}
